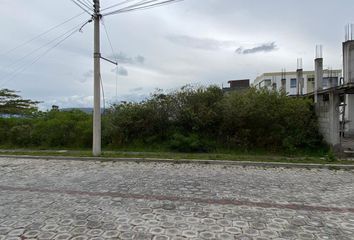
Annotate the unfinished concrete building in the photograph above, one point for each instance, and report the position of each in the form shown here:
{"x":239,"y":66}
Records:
{"x":331,"y":90}
{"x":288,"y":81}
{"x":335,"y":104}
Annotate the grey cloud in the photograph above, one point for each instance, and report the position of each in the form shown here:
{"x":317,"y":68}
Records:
{"x":265,"y":47}
{"x":122,"y":71}
{"x":200,"y":43}
{"x":87,"y":75}
{"x":140,"y":59}
{"x":138,"y":89}
{"x":123,"y":58}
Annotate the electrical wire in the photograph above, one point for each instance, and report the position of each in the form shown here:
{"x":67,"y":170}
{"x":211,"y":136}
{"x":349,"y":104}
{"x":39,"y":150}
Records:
{"x":41,"y":34}
{"x":117,"y":4}
{"x":104,"y":100}
{"x":109,"y":41}
{"x":137,"y":4}
{"x":40,"y":48}
{"x":80,"y":6}
{"x":20,"y":70}
{"x":88,"y":2}
{"x":140,"y":3}
{"x":141,"y":7}
{"x":113,"y":53}
{"x":88,"y":6}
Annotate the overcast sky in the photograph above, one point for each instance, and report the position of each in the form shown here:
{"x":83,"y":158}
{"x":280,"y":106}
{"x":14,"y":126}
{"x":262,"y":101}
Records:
{"x":192,"y":42}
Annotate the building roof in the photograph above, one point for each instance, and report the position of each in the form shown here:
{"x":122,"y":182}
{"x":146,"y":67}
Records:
{"x":232,"y":81}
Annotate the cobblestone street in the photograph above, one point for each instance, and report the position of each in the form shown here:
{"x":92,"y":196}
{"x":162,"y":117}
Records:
{"x":59,"y":199}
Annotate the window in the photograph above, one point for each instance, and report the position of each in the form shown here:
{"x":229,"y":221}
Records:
{"x":330,"y":82}
{"x":267,"y":83}
{"x":293,"y":83}
{"x":325,"y":82}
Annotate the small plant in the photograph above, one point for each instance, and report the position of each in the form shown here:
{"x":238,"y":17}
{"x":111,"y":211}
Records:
{"x":191,"y":143}
{"x":331,"y":157}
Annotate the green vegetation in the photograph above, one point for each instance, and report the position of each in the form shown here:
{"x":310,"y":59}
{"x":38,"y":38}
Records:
{"x":179,"y":157}
{"x":203,"y":120}
{"x":12,"y":104}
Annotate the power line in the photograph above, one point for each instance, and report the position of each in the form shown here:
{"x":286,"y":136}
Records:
{"x":117,"y":4}
{"x":89,"y":3}
{"x":42,"y":34}
{"x":80,"y":6}
{"x":38,"y":57}
{"x":86,"y":4}
{"x":137,"y":4}
{"x":114,"y":55}
{"x":129,"y":9}
{"x":39,"y":48}
{"x":109,"y":40}
{"x":104,"y":100}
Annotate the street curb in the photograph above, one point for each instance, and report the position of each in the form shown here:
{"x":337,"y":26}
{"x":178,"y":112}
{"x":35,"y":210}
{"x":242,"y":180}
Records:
{"x":191,"y":161}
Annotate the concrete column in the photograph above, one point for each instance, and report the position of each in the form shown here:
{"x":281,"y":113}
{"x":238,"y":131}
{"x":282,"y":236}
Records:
{"x":348,"y":74}
{"x":348,"y":61}
{"x":350,"y":113}
{"x":318,"y":76}
{"x":333,"y":117}
{"x":300,"y":81}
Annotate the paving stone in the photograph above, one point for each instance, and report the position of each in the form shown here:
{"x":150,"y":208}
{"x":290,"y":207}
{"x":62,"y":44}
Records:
{"x":95,"y":232}
{"x":233,"y":230}
{"x":207,"y":235}
{"x":80,"y":238}
{"x":161,"y":237}
{"x":173,"y":231}
{"x":110,"y":234}
{"x":94,"y":200}
{"x":64,"y":229}
{"x":31,"y":234}
{"x":157,"y":230}
{"x":127,"y":235}
{"x":225,"y":236}
{"x":63,"y":236}
{"x":190,"y":234}
{"x":16,"y":232}
{"x":44,"y":235}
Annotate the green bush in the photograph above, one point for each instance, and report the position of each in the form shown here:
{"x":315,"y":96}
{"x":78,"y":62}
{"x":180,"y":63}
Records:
{"x":50,"y":129}
{"x":21,"y":135}
{"x":269,"y":120}
{"x":188,"y":120}
{"x":191,"y":143}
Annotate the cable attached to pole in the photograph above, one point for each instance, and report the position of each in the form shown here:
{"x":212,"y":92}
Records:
{"x":24,"y":67}
{"x":41,"y":34}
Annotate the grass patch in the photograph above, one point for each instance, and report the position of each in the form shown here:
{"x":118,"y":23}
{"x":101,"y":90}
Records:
{"x":231,"y":156}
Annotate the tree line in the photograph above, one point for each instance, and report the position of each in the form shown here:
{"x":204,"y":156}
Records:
{"x":190,"y":119}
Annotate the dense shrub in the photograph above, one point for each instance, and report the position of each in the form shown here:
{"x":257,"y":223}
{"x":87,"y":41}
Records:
{"x":188,"y":120}
{"x":268,"y":119}
{"x":63,"y":129}
{"x":191,"y":143}
{"x":51,"y":129}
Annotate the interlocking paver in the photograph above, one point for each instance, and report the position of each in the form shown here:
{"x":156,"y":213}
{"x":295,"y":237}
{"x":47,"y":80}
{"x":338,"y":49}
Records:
{"x":106,"y":200}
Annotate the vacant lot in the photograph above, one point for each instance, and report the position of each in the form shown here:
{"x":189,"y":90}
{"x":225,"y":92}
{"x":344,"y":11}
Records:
{"x":104,"y":200}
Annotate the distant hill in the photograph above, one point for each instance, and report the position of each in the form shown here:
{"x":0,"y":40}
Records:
{"x":85,"y":110}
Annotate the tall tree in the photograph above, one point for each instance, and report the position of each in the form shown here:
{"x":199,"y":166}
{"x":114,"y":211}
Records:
{"x":12,"y":103}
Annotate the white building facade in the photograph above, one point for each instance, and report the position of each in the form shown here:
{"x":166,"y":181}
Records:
{"x":287,"y":81}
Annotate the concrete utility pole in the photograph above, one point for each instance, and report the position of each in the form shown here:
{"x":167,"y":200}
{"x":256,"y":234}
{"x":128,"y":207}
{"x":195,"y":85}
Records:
{"x":96,"y":144}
